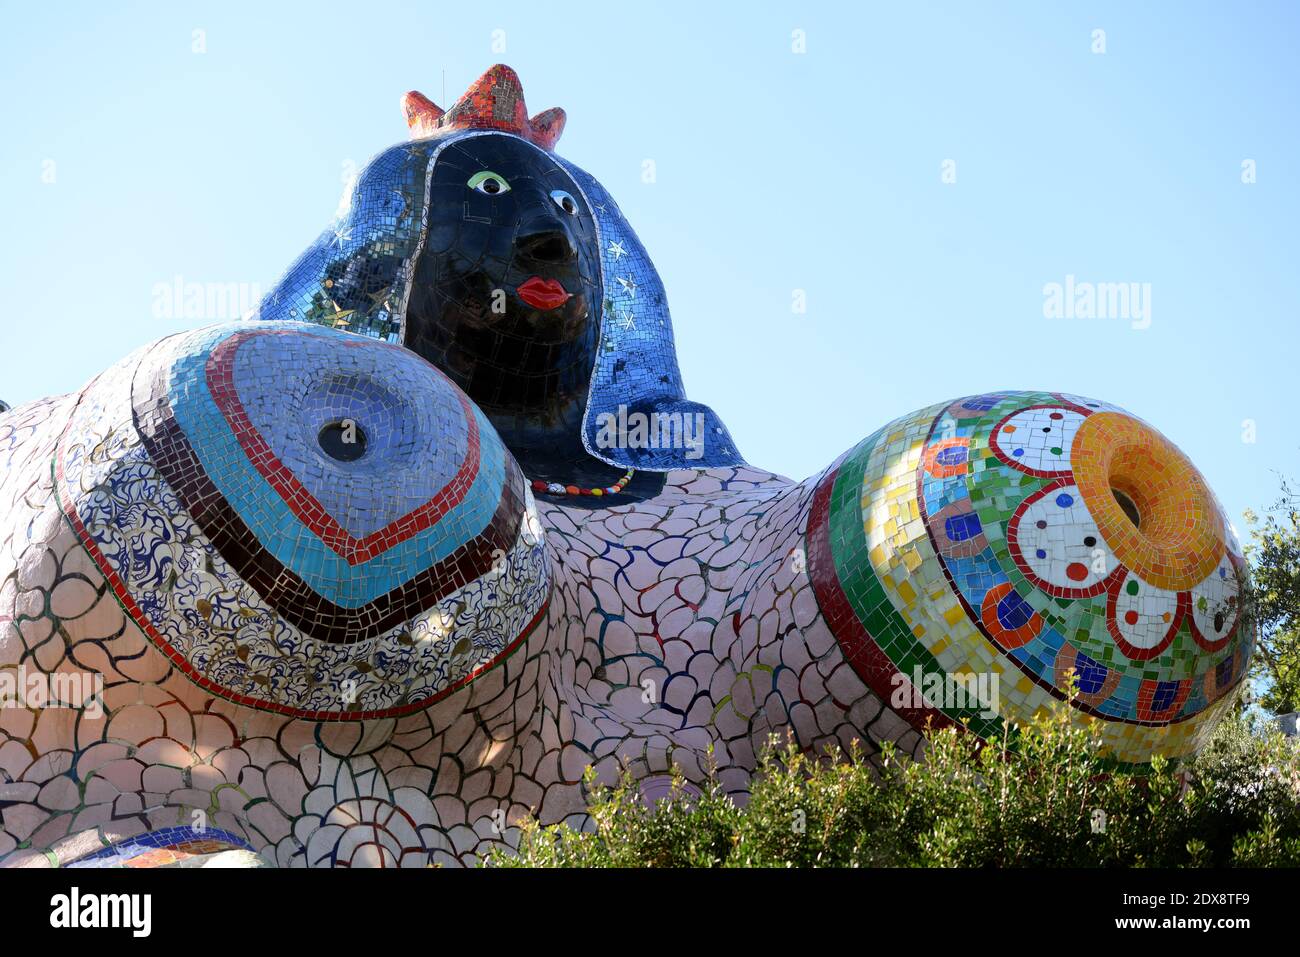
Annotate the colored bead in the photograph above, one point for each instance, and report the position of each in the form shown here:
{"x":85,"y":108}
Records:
{"x":557,"y":489}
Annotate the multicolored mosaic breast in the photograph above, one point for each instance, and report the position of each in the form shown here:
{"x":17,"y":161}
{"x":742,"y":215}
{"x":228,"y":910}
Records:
{"x":1029,"y":540}
{"x":304,"y":520}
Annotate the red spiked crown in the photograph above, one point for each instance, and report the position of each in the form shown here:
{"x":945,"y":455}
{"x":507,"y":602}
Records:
{"x":494,"y":102}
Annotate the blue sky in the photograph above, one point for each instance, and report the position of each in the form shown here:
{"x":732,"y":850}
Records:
{"x":129,"y":159}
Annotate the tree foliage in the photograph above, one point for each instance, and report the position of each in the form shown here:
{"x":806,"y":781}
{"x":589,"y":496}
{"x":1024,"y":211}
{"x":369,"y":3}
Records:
{"x":1274,"y":554}
{"x":1048,"y":798}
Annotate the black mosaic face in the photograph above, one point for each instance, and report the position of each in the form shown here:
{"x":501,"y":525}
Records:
{"x":506,"y":295}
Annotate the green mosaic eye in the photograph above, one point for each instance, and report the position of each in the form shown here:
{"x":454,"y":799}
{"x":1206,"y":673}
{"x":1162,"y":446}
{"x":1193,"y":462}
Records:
{"x":493,"y":184}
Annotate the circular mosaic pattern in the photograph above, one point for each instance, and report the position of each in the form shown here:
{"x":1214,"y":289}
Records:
{"x":304,"y":520}
{"x":1024,"y":537}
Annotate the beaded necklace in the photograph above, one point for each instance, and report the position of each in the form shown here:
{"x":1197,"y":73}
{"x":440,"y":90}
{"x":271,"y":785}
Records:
{"x":555,"y":488}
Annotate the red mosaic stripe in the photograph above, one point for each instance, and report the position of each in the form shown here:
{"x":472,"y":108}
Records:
{"x":133,"y":611}
{"x":291,"y":597}
{"x":220,"y":376}
{"x":866,"y":657}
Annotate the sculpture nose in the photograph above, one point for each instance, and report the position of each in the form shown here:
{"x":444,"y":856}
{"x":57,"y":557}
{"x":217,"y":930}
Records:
{"x":546,"y":242}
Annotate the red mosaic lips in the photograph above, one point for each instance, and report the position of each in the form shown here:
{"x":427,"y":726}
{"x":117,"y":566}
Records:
{"x":543,"y":293}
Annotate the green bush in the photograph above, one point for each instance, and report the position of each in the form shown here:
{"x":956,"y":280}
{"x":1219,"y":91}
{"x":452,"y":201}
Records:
{"x":1045,"y":797}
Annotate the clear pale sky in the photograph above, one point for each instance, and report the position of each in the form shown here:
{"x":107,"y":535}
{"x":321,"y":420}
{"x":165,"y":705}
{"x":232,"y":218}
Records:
{"x":129,"y":159}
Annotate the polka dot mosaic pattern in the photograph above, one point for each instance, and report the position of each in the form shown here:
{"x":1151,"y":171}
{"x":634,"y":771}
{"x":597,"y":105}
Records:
{"x":308,"y":579}
{"x":1030,"y":536}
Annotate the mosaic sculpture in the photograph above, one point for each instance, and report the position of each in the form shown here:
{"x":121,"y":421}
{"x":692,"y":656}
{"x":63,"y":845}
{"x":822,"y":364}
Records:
{"x":367,"y":578}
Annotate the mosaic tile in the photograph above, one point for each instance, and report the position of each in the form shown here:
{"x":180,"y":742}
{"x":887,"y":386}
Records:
{"x":455,"y":244}
{"x":359,"y":581}
{"x":163,"y":848}
{"x":1043,"y":535}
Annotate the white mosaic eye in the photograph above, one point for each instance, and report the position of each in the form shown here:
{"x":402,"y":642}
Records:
{"x":565,"y":201}
{"x":1057,"y":545}
{"x":1215,"y":605}
{"x":1037,"y":440}
{"x":1141,"y":617}
{"x":489,"y":183}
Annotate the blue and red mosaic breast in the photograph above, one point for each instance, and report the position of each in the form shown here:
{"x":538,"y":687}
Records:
{"x":339,"y":492}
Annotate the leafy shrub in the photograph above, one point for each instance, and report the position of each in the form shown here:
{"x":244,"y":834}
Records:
{"x":1046,"y":796}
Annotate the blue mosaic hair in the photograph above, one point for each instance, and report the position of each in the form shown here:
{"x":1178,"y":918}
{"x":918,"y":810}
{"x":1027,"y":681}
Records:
{"x":373,"y":244}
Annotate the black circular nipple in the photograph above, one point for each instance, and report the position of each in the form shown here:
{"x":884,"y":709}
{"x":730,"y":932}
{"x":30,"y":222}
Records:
{"x":343,"y":441}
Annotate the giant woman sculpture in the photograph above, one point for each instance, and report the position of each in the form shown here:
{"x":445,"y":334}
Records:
{"x":364,"y":579}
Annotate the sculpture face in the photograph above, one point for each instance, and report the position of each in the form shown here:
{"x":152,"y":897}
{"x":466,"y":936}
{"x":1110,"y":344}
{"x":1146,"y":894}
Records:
{"x":506,"y":295}
{"x":1052,"y":534}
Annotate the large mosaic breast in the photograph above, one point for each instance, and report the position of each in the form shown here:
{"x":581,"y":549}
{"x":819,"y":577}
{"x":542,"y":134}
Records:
{"x":304,"y":520}
{"x":1034,"y":539}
